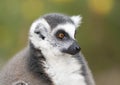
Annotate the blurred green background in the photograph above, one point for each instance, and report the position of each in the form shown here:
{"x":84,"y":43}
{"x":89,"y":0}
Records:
{"x":98,"y":36}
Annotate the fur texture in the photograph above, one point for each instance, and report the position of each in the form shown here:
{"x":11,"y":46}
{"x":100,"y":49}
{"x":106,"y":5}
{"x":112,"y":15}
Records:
{"x":43,"y":62}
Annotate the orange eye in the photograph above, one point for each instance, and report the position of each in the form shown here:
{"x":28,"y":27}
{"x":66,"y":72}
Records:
{"x":61,"y":35}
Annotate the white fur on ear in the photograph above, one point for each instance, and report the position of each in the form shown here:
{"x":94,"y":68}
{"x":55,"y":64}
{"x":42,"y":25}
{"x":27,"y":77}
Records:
{"x":42,"y":21}
{"x":76,"y":20}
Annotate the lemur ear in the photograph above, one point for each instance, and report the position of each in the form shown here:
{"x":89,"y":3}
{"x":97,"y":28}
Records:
{"x":40,"y":27}
{"x":76,"y":20}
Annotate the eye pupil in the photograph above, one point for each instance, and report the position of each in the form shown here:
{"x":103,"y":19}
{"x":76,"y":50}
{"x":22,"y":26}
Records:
{"x":61,"y":35}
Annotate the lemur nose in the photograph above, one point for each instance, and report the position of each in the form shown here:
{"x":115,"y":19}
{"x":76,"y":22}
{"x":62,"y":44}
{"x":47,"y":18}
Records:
{"x":77,"y":48}
{"x":73,"y":49}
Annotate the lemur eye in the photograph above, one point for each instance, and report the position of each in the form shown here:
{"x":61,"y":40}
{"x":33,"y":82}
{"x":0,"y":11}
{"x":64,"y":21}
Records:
{"x":61,"y":35}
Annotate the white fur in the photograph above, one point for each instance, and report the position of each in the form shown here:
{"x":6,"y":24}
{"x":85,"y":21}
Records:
{"x":33,"y":37}
{"x":76,"y":20}
{"x":68,"y":28}
{"x":64,"y":69}
{"x":37,"y":22}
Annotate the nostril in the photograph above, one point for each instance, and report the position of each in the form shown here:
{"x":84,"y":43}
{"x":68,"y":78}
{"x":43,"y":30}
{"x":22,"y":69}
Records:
{"x":77,"y":48}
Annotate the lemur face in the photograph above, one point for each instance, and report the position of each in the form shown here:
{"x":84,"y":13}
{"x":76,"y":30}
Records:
{"x":55,"y":31}
{"x":64,"y":38}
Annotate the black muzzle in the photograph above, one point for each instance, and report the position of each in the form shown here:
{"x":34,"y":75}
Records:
{"x":73,"y":49}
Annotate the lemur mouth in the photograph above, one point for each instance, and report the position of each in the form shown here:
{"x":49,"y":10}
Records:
{"x":73,"y":49}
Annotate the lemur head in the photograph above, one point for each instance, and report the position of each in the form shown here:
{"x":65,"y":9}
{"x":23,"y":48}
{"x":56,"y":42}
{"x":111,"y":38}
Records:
{"x":55,"y":31}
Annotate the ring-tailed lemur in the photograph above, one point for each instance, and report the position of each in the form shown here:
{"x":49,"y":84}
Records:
{"x":52,"y":56}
